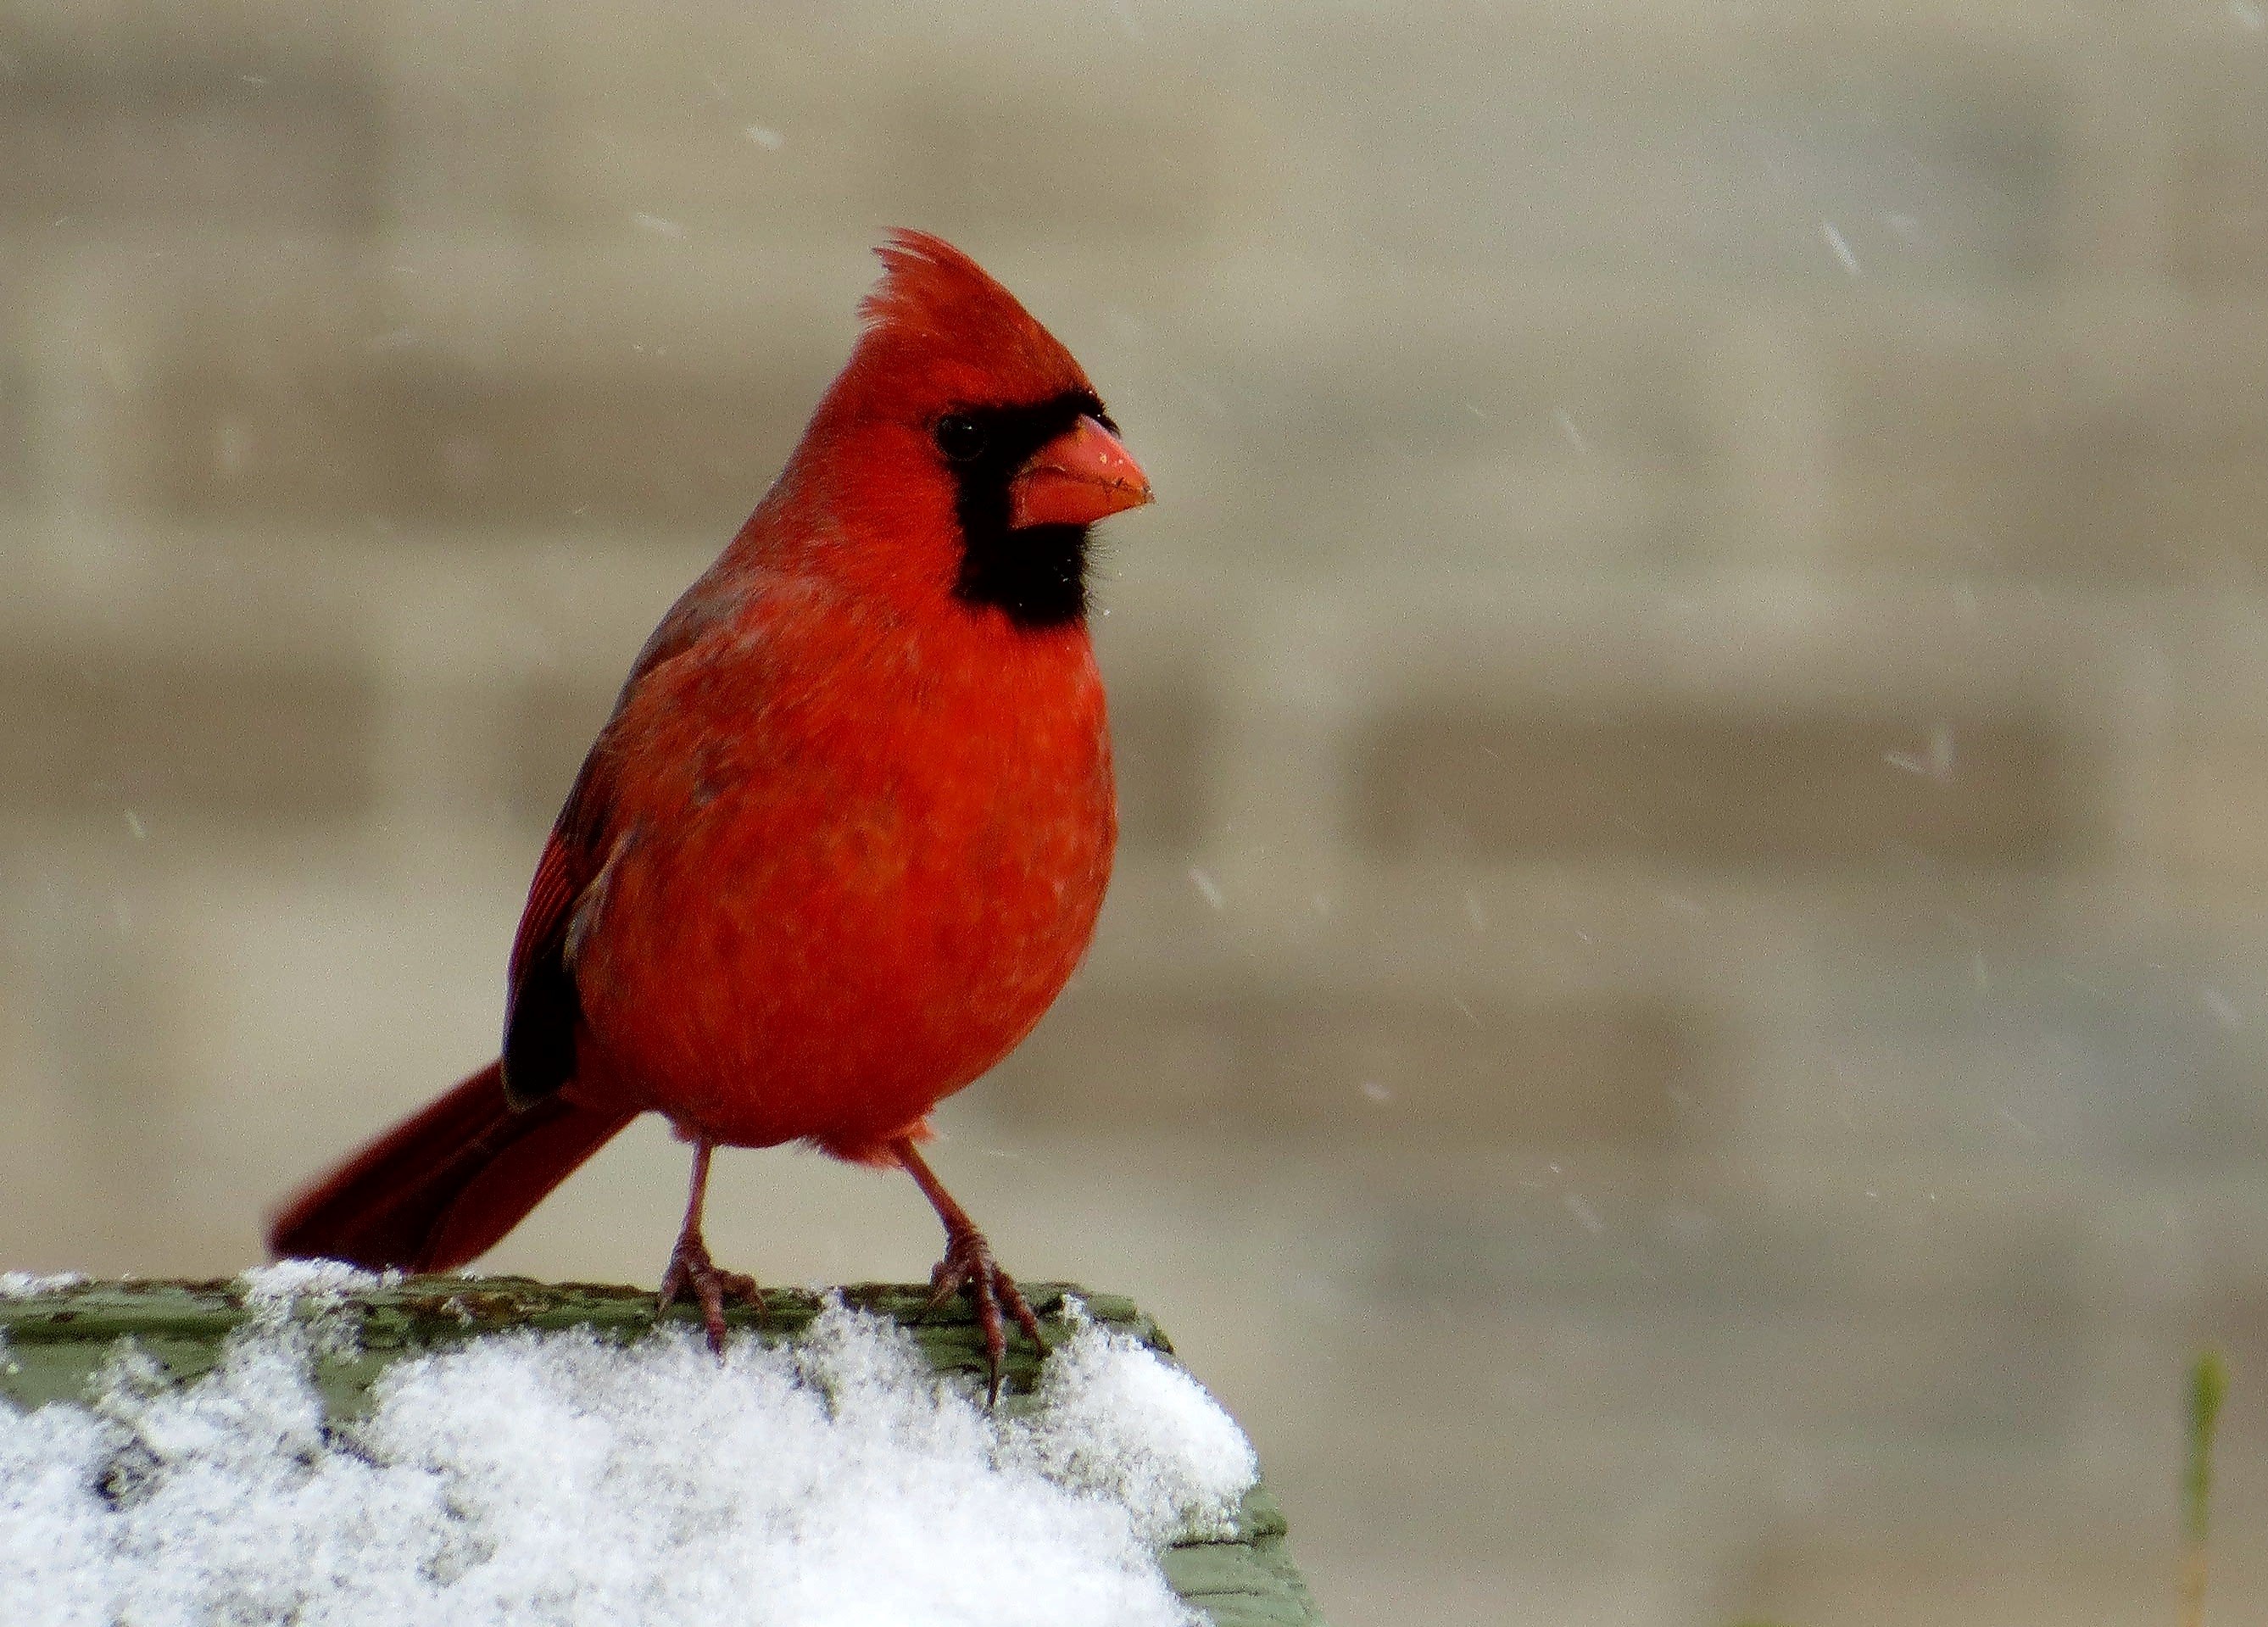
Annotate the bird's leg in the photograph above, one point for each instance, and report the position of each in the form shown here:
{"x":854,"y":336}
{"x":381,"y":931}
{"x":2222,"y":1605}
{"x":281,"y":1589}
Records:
{"x":968,"y":1263}
{"x":691,"y":1268}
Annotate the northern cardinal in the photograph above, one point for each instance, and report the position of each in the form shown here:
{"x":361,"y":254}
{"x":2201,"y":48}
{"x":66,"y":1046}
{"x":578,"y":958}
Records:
{"x":846,"y":836}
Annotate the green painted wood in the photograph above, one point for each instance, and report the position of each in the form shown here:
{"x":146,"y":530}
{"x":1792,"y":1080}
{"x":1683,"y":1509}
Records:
{"x":53,"y":1344}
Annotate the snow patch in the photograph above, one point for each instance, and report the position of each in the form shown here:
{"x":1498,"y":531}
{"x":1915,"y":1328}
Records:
{"x":540,"y":1478}
{"x":30,"y":1285}
{"x":321,"y":1284}
{"x":1115,"y":1422}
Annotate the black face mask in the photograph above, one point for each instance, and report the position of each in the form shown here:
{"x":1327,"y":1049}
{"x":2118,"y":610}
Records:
{"x":1036,"y":574}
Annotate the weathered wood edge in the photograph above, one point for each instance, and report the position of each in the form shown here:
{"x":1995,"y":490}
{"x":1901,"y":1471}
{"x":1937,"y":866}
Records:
{"x":59,"y":1338}
{"x":54,"y":1345}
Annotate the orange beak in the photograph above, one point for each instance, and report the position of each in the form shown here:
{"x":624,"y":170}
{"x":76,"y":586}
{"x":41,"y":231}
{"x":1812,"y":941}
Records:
{"x":1075,"y":479}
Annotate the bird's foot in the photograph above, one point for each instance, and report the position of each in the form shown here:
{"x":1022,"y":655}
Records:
{"x":968,"y":1264}
{"x":690,"y":1269}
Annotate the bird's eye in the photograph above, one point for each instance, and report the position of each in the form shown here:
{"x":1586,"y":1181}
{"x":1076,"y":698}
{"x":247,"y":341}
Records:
{"x":959,"y":438}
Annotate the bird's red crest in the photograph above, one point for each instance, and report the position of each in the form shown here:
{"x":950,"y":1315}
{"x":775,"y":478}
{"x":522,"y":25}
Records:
{"x":937,"y":317}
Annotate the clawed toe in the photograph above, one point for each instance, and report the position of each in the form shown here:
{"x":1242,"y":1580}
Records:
{"x":690,"y":1269}
{"x":968,"y":1264}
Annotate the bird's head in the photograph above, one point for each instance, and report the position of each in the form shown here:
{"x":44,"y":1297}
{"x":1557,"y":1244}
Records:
{"x":962,"y":447}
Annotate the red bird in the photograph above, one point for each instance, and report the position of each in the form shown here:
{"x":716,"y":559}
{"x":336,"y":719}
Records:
{"x":844,"y":837}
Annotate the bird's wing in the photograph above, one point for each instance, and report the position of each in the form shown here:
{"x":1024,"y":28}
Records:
{"x":541,"y":1007}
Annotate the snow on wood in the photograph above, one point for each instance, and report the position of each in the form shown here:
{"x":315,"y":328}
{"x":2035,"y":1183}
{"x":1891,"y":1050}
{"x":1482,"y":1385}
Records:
{"x":588,"y":1473}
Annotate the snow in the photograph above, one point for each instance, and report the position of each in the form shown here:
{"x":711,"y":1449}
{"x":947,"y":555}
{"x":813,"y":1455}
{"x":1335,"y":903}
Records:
{"x":1118,"y":1423}
{"x":558,"y":1478}
{"x":272,"y":1289}
{"x":28,"y":1284}
{"x":1835,"y":242}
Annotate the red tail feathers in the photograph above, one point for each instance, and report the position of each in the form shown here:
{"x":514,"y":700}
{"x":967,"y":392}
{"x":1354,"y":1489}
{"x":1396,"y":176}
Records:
{"x":443,"y":1186}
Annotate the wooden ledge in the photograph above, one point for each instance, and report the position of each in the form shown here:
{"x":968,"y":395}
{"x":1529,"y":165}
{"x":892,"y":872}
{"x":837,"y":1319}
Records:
{"x":54,"y":1342}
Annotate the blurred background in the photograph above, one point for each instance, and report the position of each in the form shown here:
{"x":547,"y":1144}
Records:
{"x":1682,"y":1030}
